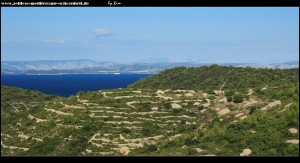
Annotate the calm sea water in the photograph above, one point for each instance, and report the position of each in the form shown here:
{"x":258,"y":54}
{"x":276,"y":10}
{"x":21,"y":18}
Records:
{"x":66,"y":85}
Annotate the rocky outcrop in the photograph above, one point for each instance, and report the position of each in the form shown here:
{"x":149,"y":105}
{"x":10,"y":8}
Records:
{"x":293,"y":131}
{"x":124,"y":150}
{"x":246,"y":152}
{"x":293,"y":141}
{"x":176,"y":106}
{"x":272,"y":104}
{"x":223,"y":112}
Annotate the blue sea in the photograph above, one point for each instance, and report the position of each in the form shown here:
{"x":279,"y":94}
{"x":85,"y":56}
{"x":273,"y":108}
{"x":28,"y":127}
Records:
{"x":70,"y":84}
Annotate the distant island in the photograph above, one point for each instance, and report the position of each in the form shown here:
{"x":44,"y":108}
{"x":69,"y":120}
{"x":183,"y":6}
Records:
{"x":94,"y":67}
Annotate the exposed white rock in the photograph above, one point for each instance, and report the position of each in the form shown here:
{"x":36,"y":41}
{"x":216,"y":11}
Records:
{"x":252,"y":131}
{"x":224,"y":99}
{"x":23,"y":136}
{"x":124,"y":150}
{"x":246,"y":152}
{"x":288,"y":105}
{"x":121,"y":137}
{"x":199,"y":150}
{"x":88,"y":151}
{"x":216,"y":109}
{"x":264,"y":88}
{"x":293,"y":141}
{"x":238,"y":115}
{"x":223,"y":112}
{"x":250,"y":102}
{"x":137,"y":91}
{"x":197,"y":103}
{"x":176,"y":106}
{"x":202,"y":111}
{"x":37,"y":139}
{"x":243,"y":117}
{"x":206,"y":105}
{"x":293,"y":131}
{"x":160,"y":92}
{"x":154,"y":108}
{"x":189,"y":95}
{"x":250,"y":92}
{"x":233,"y":121}
{"x":218,"y":92}
{"x":272,"y":104}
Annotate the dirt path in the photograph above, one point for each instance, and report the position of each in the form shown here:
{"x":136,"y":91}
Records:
{"x":37,"y":119}
{"x":129,"y":104}
{"x":223,"y":85}
{"x":58,"y":112}
{"x":24,"y":105}
{"x":13,"y":147}
{"x":120,"y":97}
{"x":104,"y":94}
{"x":13,"y":106}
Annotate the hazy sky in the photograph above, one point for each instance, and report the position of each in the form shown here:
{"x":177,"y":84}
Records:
{"x":201,"y":34}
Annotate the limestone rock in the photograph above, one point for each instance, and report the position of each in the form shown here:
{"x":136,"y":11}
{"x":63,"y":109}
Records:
{"x":189,"y":95}
{"x":154,"y":108}
{"x":272,"y":104}
{"x":160,"y":92}
{"x":197,"y":103}
{"x":293,"y":141}
{"x":293,"y":131}
{"x":223,"y":112}
{"x":238,"y":115}
{"x":176,"y":106}
{"x":246,"y":152}
{"x":124,"y":150}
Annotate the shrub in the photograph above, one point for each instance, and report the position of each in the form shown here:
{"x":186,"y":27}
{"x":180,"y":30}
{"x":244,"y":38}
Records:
{"x":238,"y":98}
{"x":126,"y":130}
{"x":229,"y":93}
{"x":152,"y":148}
{"x":183,"y":121}
{"x":211,"y":97}
{"x":252,"y":109}
{"x":229,"y":99}
{"x":176,"y":111}
{"x":201,"y":107}
{"x":191,"y":141}
{"x":146,"y":131}
{"x":191,"y":151}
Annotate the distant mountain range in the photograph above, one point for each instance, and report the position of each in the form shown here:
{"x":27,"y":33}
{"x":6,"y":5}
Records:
{"x":88,"y":66}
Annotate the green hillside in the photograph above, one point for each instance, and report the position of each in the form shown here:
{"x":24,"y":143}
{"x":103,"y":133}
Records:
{"x":178,"y":112}
{"x":13,"y":99}
{"x":216,"y":77}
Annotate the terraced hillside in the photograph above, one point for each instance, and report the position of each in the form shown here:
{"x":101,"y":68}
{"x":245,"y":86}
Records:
{"x":16,"y":99}
{"x":136,"y":121}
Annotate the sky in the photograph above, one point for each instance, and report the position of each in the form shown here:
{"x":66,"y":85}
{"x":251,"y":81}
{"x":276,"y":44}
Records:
{"x":135,"y":34}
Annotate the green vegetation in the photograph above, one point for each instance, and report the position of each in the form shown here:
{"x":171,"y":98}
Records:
{"x":23,"y":97}
{"x":258,"y":110}
{"x":208,"y":78}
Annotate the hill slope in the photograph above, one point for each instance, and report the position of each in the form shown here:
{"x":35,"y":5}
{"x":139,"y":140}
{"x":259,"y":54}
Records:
{"x":213,"y":77}
{"x":15,"y":99}
{"x":140,"y":121}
